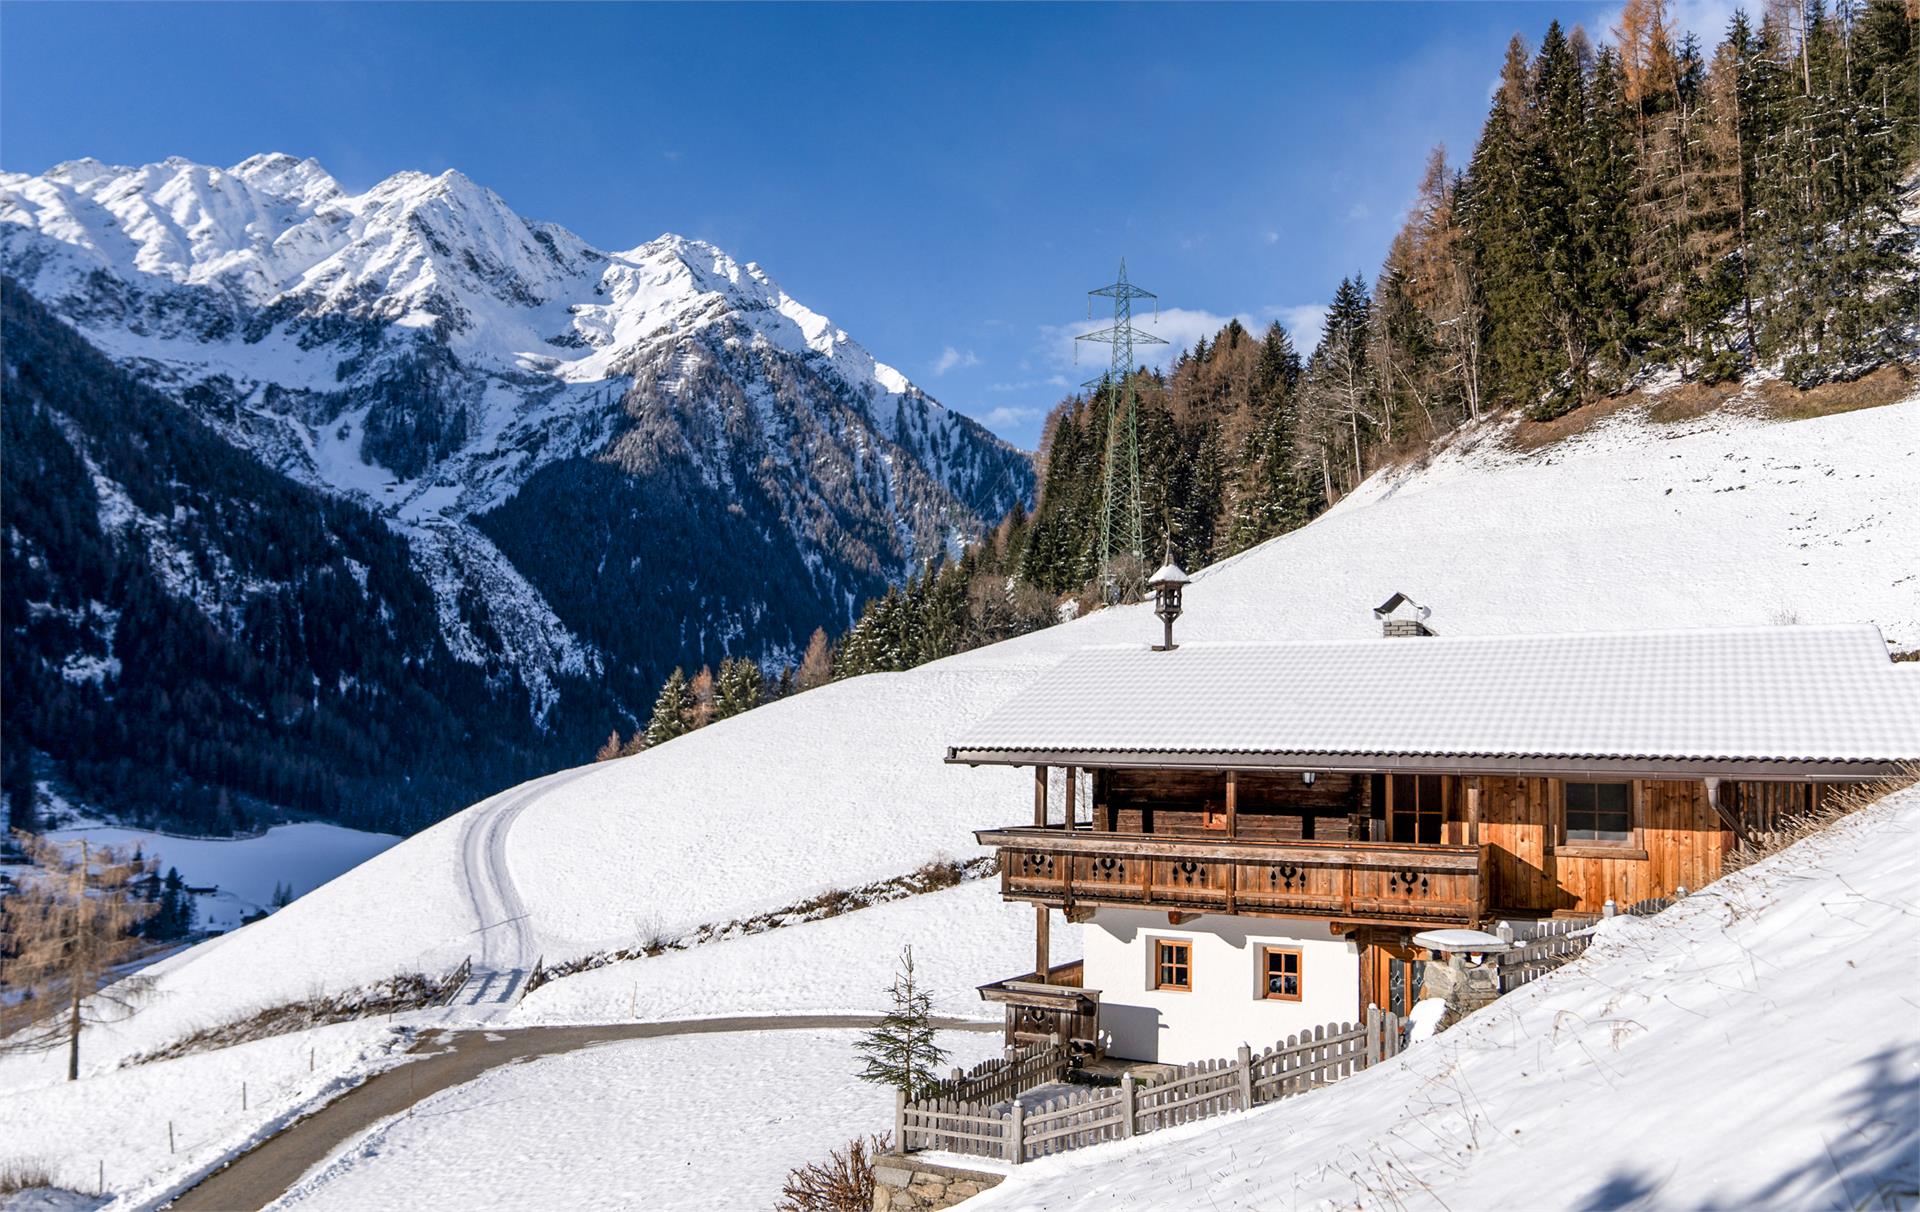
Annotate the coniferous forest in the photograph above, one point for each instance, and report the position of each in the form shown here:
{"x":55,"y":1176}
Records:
{"x":1648,"y":206}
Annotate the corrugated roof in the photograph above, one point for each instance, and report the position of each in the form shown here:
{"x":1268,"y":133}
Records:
{"x":1790,"y":693}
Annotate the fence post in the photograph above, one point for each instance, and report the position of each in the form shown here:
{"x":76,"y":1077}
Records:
{"x":1680,"y":893}
{"x":1373,"y":1036}
{"x":900,"y":1120}
{"x":1126,"y":1105}
{"x":1609,"y":909}
{"x":1016,"y":1132}
{"x":1505,"y":932}
{"x":1246,"y":1078}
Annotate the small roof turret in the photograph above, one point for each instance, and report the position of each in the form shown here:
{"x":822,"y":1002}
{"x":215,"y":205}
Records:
{"x":1168,"y":574}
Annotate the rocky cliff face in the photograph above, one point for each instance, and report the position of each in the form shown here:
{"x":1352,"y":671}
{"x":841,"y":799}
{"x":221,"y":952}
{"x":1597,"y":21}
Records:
{"x":602,"y":464}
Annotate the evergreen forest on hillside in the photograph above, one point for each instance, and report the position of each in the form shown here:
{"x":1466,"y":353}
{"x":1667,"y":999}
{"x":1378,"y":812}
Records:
{"x":1630,"y":208}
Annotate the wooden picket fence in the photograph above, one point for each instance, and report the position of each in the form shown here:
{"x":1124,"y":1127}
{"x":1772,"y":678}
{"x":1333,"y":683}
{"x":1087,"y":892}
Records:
{"x":999,"y":1079}
{"x":1018,"y":1130}
{"x":1540,"y":947}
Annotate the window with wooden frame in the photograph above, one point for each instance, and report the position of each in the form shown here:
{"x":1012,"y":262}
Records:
{"x":1598,"y":814}
{"x":1416,"y":809}
{"x":1280,"y":969}
{"x":1173,"y":964}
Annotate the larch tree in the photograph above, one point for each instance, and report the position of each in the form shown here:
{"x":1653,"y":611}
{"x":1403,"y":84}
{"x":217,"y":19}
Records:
{"x":72,"y":919}
{"x":816,"y":667}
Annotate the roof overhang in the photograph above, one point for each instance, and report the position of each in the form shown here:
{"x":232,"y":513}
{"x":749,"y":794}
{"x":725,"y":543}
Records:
{"x":1519,"y":765}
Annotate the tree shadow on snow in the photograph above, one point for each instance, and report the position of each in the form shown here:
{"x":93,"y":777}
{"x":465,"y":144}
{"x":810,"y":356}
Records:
{"x":1871,"y":1159}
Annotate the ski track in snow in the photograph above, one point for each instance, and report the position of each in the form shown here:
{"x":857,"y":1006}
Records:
{"x":500,"y":914}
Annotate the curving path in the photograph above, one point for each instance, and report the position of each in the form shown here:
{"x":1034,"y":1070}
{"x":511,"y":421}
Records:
{"x":507,"y":945}
{"x":264,"y":1173}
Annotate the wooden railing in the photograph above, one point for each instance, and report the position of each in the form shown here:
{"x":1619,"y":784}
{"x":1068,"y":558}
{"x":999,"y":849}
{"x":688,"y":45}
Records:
{"x":1057,"y":1007}
{"x":1020,"y":1129}
{"x":1350,"y":881}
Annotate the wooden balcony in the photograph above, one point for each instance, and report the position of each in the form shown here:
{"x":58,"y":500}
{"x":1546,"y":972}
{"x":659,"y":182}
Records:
{"x":1359,"y":882}
{"x":1037,"y":1010}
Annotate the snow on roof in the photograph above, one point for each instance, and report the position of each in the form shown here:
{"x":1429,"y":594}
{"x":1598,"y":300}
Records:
{"x":1169,"y":572}
{"x":1827,"y":694}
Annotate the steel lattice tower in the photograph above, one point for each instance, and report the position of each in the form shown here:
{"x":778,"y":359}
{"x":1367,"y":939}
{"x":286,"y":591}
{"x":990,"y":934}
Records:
{"x":1120,"y":491}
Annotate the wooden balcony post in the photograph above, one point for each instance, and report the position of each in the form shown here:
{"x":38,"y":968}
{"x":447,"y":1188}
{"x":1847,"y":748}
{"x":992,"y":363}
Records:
{"x":1040,"y":796}
{"x":1068,"y":824}
{"x":1042,"y":942}
{"x":1473,"y":811}
{"x":1233,"y":803}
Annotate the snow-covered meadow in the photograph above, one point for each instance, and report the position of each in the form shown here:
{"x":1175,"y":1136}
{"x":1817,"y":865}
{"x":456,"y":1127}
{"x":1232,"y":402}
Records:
{"x":693,"y":1122}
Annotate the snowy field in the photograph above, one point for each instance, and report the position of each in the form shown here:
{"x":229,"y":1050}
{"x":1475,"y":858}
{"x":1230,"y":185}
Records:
{"x":246,"y":870}
{"x":114,"y":1126}
{"x":962,"y":938}
{"x":690,"y":1123}
{"x":1755,"y":1047}
{"x":1719,"y":521}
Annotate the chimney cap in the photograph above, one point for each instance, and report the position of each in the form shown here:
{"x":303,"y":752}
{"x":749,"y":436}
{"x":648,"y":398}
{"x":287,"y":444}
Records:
{"x":1401,"y":606}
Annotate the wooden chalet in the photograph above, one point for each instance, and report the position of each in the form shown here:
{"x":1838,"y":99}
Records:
{"x":1252,"y":832}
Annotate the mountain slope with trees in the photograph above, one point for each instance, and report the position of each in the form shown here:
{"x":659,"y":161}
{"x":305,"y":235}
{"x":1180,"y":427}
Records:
{"x":1635,"y":213}
{"x":201,"y":643}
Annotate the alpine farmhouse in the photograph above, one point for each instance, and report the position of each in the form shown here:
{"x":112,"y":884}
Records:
{"x":1253,"y":833}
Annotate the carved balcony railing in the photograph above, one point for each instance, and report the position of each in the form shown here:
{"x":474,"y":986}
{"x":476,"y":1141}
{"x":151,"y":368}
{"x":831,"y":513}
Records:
{"x":1360,"y":882}
{"x":1039,"y":1010}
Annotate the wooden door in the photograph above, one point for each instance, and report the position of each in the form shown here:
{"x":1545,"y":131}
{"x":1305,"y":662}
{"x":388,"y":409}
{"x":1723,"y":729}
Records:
{"x":1391,"y":972}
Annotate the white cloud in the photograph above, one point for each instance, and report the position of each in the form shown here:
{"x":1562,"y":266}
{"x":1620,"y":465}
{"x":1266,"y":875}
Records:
{"x":950,"y":358}
{"x":1303,"y":323}
{"x":1030,"y":384}
{"x":1007,"y":417}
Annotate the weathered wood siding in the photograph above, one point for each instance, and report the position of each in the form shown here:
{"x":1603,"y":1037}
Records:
{"x":1516,"y":825}
{"x":1679,"y":840}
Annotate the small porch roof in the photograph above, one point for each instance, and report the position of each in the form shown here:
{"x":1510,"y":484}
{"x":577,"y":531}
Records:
{"x":1762,"y":702}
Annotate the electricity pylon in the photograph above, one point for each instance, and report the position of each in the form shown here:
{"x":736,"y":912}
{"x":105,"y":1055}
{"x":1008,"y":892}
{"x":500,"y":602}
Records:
{"x":1120,"y":490}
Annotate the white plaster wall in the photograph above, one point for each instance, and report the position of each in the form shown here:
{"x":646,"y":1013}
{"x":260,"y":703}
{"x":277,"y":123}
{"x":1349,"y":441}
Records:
{"x":1224,"y":1009}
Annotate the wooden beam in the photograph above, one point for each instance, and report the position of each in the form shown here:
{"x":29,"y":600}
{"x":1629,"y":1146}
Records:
{"x":1040,"y":796}
{"x":1180,"y":919}
{"x":1233,"y":804}
{"x":1071,"y":789}
{"x":1732,"y":823}
{"x":1042,"y":943}
{"x":1473,"y":811}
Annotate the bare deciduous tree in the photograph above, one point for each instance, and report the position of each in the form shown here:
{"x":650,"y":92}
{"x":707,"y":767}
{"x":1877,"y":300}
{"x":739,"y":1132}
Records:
{"x":63,"y":930}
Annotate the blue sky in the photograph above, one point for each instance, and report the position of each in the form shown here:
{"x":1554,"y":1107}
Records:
{"x":944,"y":181}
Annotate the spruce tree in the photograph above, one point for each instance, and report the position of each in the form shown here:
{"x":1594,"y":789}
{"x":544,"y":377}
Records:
{"x":902,"y":1051}
{"x":672,"y":710}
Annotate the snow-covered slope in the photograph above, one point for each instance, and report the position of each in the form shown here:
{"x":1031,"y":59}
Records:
{"x":531,"y":411}
{"x":1753,"y":1047}
{"x":1726,"y":521}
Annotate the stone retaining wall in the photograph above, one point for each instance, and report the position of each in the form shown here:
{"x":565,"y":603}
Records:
{"x":907,"y":1184}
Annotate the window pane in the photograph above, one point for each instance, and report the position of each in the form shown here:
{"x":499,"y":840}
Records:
{"x":1599,"y":812}
{"x":1429,"y":832}
{"x":1429,"y":785}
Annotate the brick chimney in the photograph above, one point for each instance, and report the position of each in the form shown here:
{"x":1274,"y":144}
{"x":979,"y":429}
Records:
{"x":1400,"y":615}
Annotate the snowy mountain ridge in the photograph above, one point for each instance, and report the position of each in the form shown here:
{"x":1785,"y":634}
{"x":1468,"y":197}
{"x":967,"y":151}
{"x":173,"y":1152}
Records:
{"x":495,"y":387}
